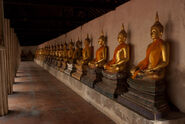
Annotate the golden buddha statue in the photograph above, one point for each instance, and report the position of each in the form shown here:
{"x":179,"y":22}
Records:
{"x":157,"y":56}
{"x":101,"y":54}
{"x":81,"y":66}
{"x":70,"y":52}
{"x":64,"y":57}
{"x":49,"y":52}
{"x":121,"y":54}
{"x":56,"y":51}
{"x":52,"y":48}
{"x":77,"y":55}
{"x":60,"y":53}
{"x":51,"y":55}
{"x":57,"y":54}
{"x":86,"y":52}
{"x":64,"y":52}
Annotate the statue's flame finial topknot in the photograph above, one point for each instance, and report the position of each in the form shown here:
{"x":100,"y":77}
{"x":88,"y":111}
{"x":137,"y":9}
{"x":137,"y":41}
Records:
{"x":157,"y":17}
{"x":123,"y":28}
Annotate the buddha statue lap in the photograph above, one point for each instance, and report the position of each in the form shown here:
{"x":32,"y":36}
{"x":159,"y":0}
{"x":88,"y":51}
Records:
{"x":81,"y":65}
{"x":114,"y":74}
{"x":147,"y":84}
{"x":96,"y":65}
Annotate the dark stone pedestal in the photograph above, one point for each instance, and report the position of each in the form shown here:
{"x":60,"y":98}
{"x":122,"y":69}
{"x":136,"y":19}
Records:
{"x":59,"y":63}
{"x":146,"y":97}
{"x":80,"y":71}
{"x":53,"y":62}
{"x":93,"y":76}
{"x":64,"y":66}
{"x":70,"y":69}
{"x":112,"y":84}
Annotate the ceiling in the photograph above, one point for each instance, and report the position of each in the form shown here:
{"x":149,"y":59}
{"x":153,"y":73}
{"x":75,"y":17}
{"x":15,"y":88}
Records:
{"x":37,"y":21}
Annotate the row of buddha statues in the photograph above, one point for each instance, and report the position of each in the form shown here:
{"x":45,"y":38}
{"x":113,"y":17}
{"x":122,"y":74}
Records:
{"x":151,"y":67}
{"x":146,"y":80}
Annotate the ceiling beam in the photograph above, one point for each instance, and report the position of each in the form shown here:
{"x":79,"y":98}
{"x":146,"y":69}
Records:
{"x":39,"y":29}
{"x":61,"y":3}
{"x":49,"y":18}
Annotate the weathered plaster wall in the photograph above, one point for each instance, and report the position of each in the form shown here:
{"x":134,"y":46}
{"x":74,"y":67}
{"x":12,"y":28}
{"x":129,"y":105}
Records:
{"x":138,"y":16}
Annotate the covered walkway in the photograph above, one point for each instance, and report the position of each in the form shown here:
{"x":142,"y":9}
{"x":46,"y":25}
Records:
{"x":39,"y":98}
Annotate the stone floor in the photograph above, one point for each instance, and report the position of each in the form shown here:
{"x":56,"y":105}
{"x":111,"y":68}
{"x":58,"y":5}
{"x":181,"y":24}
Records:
{"x":39,"y":98}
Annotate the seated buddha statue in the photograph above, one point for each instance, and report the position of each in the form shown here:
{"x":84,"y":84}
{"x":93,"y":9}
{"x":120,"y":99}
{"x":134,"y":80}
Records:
{"x":157,"y":56}
{"x":86,"y":52}
{"x":57,"y":54}
{"x":81,"y":64}
{"x":52,"y":49}
{"x":101,"y":54}
{"x":45,"y":53}
{"x":60,"y":51}
{"x":77,"y":55}
{"x":64,"y":52}
{"x":56,"y":51}
{"x":70,"y":52}
{"x":46,"y":58}
{"x":54,"y":55}
{"x":121,"y":54}
{"x":64,"y":57}
{"x":49,"y":54}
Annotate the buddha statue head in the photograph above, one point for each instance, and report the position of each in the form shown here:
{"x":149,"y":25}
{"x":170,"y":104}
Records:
{"x":87,"y":41}
{"x":71,"y":45}
{"x":156,"y":29}
{"x":122,"y":36}
{"x":101,"y":40}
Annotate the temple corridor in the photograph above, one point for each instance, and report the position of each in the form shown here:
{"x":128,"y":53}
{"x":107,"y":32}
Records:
{"x":39,"y":98}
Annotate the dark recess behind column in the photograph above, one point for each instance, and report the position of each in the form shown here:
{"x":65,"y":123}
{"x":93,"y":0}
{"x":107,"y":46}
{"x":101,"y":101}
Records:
{"x":37,"y":21}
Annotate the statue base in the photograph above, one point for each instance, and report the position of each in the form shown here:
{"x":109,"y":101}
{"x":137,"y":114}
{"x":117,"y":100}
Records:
{"x":64,"y":66}
{"x":53,"y":63}
{"x":112,"y":84}
{"x":70,"y":69}
{"x":59,"y":64}
{"x":80,"y":71}
{"x":146,"y":97}
{"x":93,"y":76}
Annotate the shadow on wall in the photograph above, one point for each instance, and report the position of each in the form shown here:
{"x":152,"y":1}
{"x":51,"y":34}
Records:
{"x":132,"y":55}
{"x":175,"y":78}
